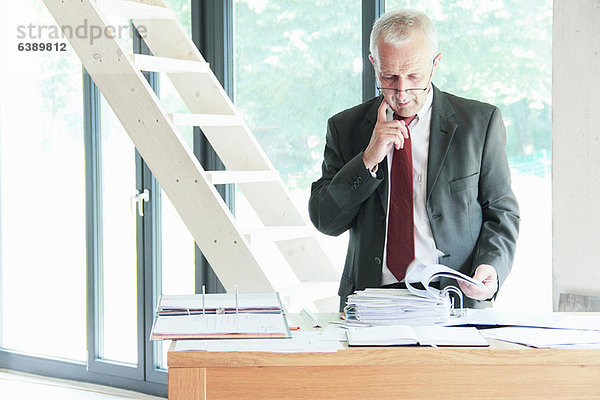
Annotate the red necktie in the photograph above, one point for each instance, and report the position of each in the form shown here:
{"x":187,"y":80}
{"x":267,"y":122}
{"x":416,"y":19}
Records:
{"x":401,"y":226}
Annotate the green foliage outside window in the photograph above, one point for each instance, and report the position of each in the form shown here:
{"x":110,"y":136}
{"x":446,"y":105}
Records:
{"x":298,"y":62}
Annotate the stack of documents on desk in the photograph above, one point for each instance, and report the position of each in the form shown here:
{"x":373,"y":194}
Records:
{"x":219,"y":316}
{"x":409,"y":306}
{"x":395,"y":306}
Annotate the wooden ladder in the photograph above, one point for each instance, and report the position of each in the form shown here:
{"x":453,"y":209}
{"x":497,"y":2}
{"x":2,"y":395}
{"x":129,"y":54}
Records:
{"x":189,"y":187}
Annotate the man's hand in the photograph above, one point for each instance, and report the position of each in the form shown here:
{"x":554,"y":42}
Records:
{"x":488,"y":276}
{"x":385,"y":135}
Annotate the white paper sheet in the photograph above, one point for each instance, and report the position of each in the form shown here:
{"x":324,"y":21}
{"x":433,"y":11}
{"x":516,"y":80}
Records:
{"x":544,"y":337}
{"x":334,"y":332}
{"x":300,"y":342}
{"x":499,"y":317}
{"x":220,"y":324}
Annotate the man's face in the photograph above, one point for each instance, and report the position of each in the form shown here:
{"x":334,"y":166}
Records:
{"x":406,"y":67}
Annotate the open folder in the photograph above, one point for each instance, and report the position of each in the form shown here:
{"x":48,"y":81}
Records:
{"x":398,"y":335}
{"x":220,"y":316}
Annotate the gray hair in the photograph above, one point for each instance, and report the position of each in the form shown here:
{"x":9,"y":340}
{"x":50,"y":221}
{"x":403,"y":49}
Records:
{"x":397,"y":27}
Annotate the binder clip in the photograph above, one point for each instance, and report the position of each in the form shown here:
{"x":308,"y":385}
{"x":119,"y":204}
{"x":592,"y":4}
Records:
{"x":454,"y":312}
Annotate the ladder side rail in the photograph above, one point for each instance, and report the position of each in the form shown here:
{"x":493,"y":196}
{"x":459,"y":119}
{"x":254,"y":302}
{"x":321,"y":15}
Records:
{"x":157,"y":140}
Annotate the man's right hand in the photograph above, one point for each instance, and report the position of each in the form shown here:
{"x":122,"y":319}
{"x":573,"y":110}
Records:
{"x":385,"y":135}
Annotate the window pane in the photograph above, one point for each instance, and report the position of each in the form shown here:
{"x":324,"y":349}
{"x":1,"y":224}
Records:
{"x":183,"y":11}
{"x":177,"y":244}
{"x":42,"y":191}
{"x":296,"y":64}
{"x":508,"y":45}
{"x":118,"y":284}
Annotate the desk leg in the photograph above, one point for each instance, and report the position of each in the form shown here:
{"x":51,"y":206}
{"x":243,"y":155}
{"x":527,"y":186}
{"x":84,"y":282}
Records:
{"x":187,"y":383}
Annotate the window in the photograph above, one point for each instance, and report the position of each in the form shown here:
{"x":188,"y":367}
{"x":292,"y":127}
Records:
{"x":295,"y":65}
{"x":118,"y":262}
{"x":42,"y":195}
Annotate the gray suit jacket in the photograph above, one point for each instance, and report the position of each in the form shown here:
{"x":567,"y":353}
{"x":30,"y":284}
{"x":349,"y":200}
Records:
{"x":472,"y":210}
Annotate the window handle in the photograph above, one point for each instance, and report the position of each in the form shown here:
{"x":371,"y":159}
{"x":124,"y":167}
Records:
{"x":139,"y":199}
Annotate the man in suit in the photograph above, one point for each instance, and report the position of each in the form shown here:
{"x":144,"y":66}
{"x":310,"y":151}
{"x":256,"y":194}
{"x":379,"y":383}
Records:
{"x":446,"y":152}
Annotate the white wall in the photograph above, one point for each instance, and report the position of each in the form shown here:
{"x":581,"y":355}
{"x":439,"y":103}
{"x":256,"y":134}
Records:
{"x":576,"y":148}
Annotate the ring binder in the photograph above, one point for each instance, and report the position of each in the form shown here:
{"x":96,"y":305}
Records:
{"x":220,"y":316}
{"x":446,"y":293}
{"x":203,"y":300}
{"x":236,"y":300}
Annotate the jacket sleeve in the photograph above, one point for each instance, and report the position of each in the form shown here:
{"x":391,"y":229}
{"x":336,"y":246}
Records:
{"x":345,"y":184}
{"x":500,"y":211}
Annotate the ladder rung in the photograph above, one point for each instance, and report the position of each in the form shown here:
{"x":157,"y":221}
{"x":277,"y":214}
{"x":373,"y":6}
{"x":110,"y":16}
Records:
{"x":206,"y":120}
{"x":224,"y":177}
{"x":169,"y":65}
{"x":135,"y":10}
{"x":277,"y":233}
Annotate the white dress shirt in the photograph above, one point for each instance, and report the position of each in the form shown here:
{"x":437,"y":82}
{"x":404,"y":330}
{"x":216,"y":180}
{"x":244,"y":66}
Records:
{"x":419,"y":135}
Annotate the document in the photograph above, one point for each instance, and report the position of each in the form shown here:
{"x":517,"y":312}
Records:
{"x":334,"y":332}
{"x":544,"y":337}
{"x":398,"y":335}
{"x":498,"y":317}
{"x":244,"y":325}
{"x":300,"y":342}
{"x":418,"y":272}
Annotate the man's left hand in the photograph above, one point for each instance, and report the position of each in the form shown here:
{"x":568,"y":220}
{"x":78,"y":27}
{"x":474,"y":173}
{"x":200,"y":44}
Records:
{"x":486,"y":274}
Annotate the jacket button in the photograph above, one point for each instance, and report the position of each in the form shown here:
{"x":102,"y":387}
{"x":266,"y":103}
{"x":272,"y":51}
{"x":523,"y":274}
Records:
{"x":377,"y":260}
{"x":359,"y":179}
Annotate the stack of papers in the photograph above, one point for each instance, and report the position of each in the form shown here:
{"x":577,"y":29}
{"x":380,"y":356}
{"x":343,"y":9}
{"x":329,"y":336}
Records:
{"x":393,"y":307}
{"x":409,"y":306}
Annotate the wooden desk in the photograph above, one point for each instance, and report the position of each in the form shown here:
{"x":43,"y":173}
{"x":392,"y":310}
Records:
{"x":501,"y":371}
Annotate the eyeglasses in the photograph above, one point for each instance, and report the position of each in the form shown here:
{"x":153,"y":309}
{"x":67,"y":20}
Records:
{"x":412,"y":91}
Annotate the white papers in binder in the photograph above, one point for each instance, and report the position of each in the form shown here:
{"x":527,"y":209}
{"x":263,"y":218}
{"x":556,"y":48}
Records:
{"x":210,"y":303}
{"x":418,"y":272}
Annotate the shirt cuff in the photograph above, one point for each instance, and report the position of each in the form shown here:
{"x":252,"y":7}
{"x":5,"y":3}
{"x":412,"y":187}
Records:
{"x":373,"y":171}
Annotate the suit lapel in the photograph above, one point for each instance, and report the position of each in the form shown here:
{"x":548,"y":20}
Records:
{"x":366,"y":130}
{"x":443,"y":126}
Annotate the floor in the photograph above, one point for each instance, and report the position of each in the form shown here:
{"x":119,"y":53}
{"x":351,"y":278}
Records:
{"x":17,"y":385}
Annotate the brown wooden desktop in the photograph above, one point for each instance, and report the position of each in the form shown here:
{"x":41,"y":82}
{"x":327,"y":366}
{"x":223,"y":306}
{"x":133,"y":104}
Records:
{"x":502,"y":370}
